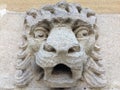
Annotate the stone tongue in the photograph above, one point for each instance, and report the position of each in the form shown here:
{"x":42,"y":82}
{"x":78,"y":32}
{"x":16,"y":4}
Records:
{"x":61,"y":76}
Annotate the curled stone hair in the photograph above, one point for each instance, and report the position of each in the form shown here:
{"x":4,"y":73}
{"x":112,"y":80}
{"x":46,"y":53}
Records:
{"x":61,"y":9}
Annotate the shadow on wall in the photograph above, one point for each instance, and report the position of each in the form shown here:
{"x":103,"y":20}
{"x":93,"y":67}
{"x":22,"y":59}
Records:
{"x":3,"y":10}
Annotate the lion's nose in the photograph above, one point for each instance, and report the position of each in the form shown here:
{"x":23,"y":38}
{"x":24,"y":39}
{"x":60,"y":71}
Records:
{"x":49,"y":48}
{"x":72,"y":49}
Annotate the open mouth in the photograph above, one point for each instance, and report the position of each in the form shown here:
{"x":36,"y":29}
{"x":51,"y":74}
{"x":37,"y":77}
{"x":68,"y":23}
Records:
{"x":59,"y":76}
{"x":61,"y":72}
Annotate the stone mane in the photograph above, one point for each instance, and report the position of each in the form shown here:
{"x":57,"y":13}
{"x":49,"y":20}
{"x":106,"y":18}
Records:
{"x":61,"y":9}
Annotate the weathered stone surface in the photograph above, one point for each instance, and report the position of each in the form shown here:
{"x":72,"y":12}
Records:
{"x":60,"y":48}
{"x":11,"y":29}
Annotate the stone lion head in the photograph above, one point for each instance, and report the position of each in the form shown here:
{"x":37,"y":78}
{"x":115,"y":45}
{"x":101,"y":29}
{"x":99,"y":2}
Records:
{"x":60,"y":47}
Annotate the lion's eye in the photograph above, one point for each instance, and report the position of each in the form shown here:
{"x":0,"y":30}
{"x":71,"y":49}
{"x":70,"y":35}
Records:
{"x":40,"y":34}
{"x":81,"y":32}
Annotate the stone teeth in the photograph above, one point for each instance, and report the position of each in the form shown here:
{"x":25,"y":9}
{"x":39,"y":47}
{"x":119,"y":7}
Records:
{"x":39,"y":76}
{"x":47,"y":73}
{"x":76,"y":74}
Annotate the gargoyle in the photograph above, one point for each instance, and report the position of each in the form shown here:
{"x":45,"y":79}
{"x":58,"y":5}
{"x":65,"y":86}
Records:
{"x":60,"y":47}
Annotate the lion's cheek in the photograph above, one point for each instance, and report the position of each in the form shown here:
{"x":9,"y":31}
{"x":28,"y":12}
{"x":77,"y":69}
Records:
{"x":34,"y":45}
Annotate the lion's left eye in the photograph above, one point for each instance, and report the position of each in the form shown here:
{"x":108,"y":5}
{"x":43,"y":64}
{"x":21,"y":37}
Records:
{"x":81,"y":32}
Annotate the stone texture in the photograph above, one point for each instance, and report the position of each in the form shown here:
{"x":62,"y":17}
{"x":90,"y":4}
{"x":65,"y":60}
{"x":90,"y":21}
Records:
{"x":10,"y":33}
{"x":109,"y":42}
{"x":11,"y":28}
{"x":60,"y":48}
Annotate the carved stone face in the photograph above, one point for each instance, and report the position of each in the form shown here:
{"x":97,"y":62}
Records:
{"x":61,"y":51}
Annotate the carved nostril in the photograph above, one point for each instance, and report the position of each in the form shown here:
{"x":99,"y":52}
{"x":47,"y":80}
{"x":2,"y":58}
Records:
{"x":49,"y":48}
{"x":74,"y":49}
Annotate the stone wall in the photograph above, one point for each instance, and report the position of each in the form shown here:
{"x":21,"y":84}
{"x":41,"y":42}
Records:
{"x":11,"y":26}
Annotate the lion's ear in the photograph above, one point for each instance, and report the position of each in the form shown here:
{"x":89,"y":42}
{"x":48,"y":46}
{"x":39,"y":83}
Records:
{"x":94,"y":74}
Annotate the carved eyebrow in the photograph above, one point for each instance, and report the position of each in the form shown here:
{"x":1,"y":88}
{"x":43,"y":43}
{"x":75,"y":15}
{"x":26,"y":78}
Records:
{"x":40,"y":25}
{"x":79,"y":23}
{"x":40,"y":28}
{"x":45,"y":24}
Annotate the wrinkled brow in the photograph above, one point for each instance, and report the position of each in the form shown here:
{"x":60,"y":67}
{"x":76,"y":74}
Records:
{"x":44,"y":24}
{"x":80,"y":23}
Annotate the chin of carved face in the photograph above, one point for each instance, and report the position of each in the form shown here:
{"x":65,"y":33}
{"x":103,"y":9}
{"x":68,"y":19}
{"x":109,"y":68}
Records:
{"x":61,"y":57}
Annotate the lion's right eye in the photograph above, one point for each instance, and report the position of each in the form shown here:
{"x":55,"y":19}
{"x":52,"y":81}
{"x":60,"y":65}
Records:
{"x":40,"y":34}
